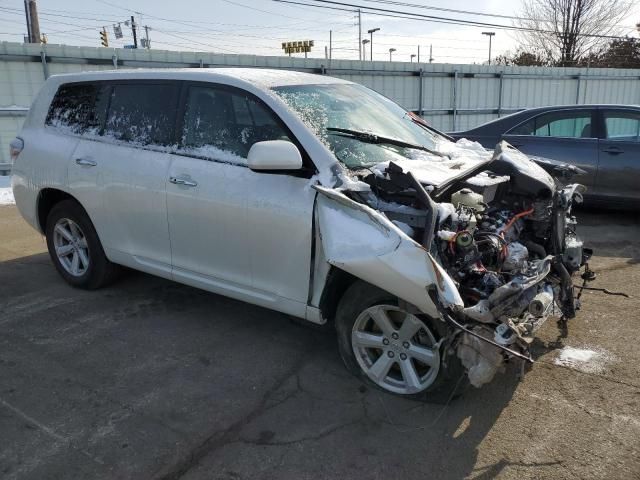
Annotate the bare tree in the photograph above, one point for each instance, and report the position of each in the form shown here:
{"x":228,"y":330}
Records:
{"x":568,"y":29}
{"x":523,"y":58}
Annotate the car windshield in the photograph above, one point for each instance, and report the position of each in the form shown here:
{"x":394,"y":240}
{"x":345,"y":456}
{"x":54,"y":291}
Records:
{"x":361,"y":127}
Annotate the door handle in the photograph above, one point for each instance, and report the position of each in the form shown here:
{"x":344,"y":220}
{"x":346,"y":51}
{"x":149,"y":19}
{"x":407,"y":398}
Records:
{"x":613,"y":150}
{"x":86,"y":162}
{"x":183,"y":181}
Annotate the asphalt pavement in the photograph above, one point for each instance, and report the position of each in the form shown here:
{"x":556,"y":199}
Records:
{"x":149,"y":379}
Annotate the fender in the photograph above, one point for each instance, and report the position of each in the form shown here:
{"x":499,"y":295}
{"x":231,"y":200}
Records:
{"x":364,"y":243}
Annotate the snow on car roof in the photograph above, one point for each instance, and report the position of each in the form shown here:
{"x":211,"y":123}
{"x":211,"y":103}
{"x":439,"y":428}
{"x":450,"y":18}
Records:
{"x":260,"y":77}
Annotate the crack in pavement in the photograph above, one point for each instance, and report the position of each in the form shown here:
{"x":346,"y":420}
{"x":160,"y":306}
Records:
{"x":323,"y":434}
{"x":231,"y":434}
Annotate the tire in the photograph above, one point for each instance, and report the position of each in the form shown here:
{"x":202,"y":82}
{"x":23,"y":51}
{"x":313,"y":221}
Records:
{"x":440,"y":381}
{"x":92,"y":268}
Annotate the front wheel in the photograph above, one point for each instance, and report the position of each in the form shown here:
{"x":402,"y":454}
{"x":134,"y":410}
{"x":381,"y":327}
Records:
{"x":393,"y":349}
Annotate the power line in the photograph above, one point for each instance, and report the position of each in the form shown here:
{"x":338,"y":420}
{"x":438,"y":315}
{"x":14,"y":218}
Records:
{"x":464,"y":12}
{"x":384,"y":12}
{"x":200,"y":43}
{"x":306,"y":20}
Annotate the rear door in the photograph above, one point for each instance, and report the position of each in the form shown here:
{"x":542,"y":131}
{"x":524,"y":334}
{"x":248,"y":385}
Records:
{"x":128,"y":157}
{"x":619,"y":153}
{"x":77,"y":112}
{"x":568,"y":136}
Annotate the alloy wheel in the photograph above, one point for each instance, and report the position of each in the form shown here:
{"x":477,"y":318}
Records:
{"x":395,"y":349}
{"x":71,"y":247}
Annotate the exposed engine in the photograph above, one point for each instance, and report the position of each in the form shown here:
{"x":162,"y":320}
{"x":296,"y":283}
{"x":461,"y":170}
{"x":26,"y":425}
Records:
{"x":509,"y":243}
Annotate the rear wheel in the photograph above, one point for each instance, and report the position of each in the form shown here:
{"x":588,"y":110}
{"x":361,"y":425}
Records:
{"x":75,"y":249}
{"x":393,"y":349}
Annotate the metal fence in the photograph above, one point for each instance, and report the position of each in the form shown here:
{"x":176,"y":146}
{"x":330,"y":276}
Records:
{"x":451,"y":97}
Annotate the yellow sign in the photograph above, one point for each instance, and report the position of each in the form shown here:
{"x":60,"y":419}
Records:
{"x":297,"y":47}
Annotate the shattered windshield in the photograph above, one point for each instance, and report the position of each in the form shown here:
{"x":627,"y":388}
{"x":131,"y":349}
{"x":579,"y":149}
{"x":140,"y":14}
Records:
{"x":332,"y":110}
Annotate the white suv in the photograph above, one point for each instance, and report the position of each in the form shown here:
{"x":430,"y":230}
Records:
{"x":309,"y":195}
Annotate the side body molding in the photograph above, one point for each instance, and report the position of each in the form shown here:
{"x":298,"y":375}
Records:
{"x":364,"y":243}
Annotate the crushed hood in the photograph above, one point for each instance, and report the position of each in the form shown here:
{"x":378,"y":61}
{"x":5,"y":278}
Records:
{"x":464,"y":156}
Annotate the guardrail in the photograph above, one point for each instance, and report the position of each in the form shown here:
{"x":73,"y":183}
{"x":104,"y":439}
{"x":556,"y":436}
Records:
{"x":13,"y":111}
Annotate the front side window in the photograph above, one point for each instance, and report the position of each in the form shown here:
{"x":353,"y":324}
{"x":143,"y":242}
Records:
{"x":222,"y":124}
{"x":622,"y":126}
{"x":79,"y":108}
{"x":142,"y":114}
{"x":557,"y":124}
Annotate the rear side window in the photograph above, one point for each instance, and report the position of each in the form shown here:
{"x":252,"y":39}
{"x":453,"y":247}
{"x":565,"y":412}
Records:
{"x":557,"y":124}
{"x":223,"y":125}
{"x":79,"y":108}
{"x":142,"y":114}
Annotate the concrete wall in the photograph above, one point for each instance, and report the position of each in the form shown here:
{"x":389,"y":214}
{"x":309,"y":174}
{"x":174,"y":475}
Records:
{"x":451,"y":97}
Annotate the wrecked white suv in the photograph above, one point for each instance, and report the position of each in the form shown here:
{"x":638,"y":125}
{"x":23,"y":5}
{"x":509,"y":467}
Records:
{"x":309,"y":195}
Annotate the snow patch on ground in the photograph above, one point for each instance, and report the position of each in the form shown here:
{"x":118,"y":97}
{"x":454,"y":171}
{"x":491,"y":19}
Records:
{"x":584,"y":359}
{"x":6,"y":194}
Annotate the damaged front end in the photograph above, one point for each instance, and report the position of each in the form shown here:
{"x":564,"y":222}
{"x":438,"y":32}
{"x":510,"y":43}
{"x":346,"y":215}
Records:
{"x":489,"y":252}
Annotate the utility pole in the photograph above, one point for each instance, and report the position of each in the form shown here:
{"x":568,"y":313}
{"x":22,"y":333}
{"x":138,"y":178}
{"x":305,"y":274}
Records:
{"x":489,"y":34}
{"x":391,"y":50}
{"x":413,"y":55}
{"x":133,"y":30}
{"x":330,"y":43}
{"x":418,"y":53}
{"x":371,"y":32}
{"x":28,"y":18}
{"x":360,"y":34}
{"x":146,"y":37}
{"x":33,"y":25}
{"x":431,"y":53}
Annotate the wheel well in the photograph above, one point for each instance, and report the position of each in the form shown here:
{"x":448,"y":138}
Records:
{"x":47,"y":199}
{"x":338,"y":281}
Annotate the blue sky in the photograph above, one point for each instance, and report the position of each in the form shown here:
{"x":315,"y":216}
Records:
{"x":260,"y":26}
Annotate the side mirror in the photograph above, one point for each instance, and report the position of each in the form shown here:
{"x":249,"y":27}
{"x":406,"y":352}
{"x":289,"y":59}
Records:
{"x":274,"y":155}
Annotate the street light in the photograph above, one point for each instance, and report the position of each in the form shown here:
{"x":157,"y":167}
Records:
{"x":489,"y":34}
{"x":371,"y":32}
{"x":364,"y":47}
{"x":391,"y":50}
{"x":413,"y":55}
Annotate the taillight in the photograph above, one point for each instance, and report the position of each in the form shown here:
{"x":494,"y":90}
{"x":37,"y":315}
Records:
{"x":15,"y":147}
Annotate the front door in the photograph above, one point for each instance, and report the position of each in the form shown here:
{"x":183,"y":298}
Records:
{"x":235,"y":231}
{"x":619,"y":153}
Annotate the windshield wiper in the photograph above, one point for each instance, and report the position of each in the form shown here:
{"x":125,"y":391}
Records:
{"x":368,"y":137}
{"x":423,"y":124}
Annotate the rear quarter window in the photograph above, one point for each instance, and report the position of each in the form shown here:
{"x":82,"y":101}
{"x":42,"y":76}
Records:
{"x":78,"y":108}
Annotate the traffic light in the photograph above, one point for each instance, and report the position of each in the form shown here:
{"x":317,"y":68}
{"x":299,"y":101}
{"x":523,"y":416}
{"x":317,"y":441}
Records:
{"x":104,"y":39}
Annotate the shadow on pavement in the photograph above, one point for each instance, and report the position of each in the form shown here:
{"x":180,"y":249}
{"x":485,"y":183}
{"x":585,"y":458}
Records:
{"x":152,"y":379}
